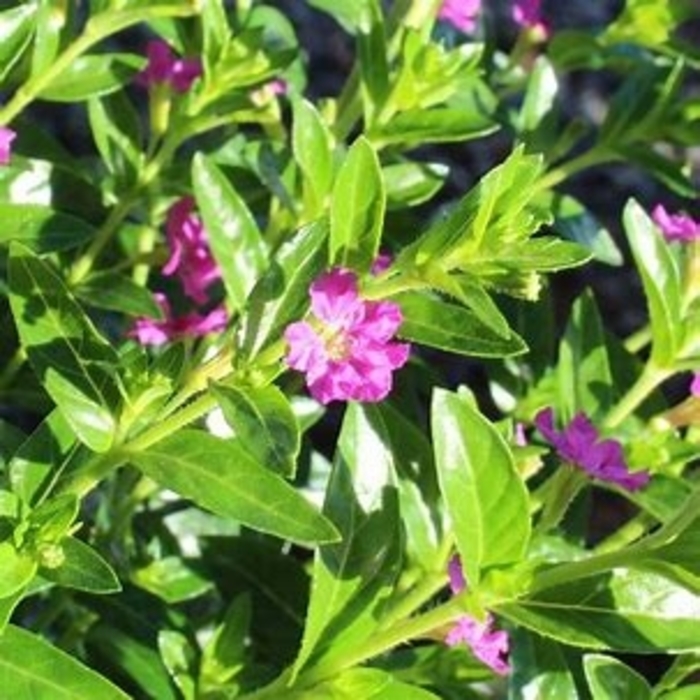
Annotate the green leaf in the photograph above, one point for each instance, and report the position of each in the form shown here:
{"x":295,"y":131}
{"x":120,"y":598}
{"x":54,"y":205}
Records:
{"x":172,"y":579}
{"x":179,"y":658}
{"x":622,"y":610}
{"x":484,"y":495}
{"x":42,"y":228}
{"x":350,"y":579}
{"x":233,"y":234}
{"x":73,"y":362}
{"x":16,"y":27}
{"x":222,"y":477}
{"x":661,"y":281}
{"x":431,"y":321}
{"x":540,"y":95}
{"x":610,"y":679}
{"x":264,"y":425}
{"x":357,"y":210}
{"x":372,"y":58}
{"x":347,"y":14}
{"x":282,"y":294}
{"x":51,"y":673}
{"x":312,"y":149}
{"x":18,"y":569}
{"x":584,"y":377}
{"x":115,"y":292}
{"x":368,"y":683}
{"x":83,"y":569}
{"x":91,"y":76}
{"x":409,"y":184}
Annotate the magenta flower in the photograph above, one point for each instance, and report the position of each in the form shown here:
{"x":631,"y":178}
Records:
{"x":461,"y":14}
{"x":381,"y":263}
{"x":7,"y":136}
{"x":488,"y":645}
{"x":695,"y":385}
{"x":580,"y":444}
{"x":190,"y":256}
{"x":152,"y":331}
{"x":164,"y":68}
{"x":527,"y":14}
{"x":345,"y":350}
{"x":675,"y":227}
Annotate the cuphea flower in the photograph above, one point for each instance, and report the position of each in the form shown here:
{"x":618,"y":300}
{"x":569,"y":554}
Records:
{"x":7,"y":136}
{"x":487,"y":644}
{"x":580,"y":444}
{"x":190,"y":257}
{"x":461,"y":14}
{"x":164,"y":68}
{"x":527,"y":14}
{"x":152,"y":331}
{"x":695,"y":384}
{"x":675,"y":227}
{"x":346,"y":350}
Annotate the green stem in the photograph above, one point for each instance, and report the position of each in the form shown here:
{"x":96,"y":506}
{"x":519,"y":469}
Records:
{"x":639,"y":339}
{"x":559,"y":491}
{"x":648,"y":380}
{"x":13,"y":366}
{"x":563,"y":172}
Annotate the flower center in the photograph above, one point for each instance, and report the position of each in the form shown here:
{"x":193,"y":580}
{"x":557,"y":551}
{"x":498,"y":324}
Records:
{"x":337,"y":343}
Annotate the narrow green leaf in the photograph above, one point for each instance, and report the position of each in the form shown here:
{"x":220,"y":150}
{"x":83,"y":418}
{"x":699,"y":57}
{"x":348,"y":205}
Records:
{"x":350,"y":579}
{"x":372,"y":683}
{"x":622,"y":610}
{"x":661,"y":281}
{"x":264,"y":424}
{"x":179,"y":658}
{"x":372,"y":56}
{"x":409,"y":184}
{"x":484,"y":495}
{"x":83,"y":569}
{"x":221,"y":476}
{"x":18,"y":569}
{"x":42,"y":228}
{"x":540,"y":95}
{"x":91,"y":76}
{"x":357,"y":210}
{"x":51,"y":673}
{"x":172,"y":579}
{"x":311,"y":145}
{"x":16,"y":27}
{"x":115,"y":292}
{"x":233,"y":234}
{"x":610,"y":679}
{"x":73,"y":362}
{"x":431,"y":321}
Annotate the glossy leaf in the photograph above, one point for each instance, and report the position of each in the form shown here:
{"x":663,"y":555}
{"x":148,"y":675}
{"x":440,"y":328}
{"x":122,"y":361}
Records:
{"x":42,"y":228}
{"x":71,"y":359}
{"x":368,"y":683}
{"x":115,"y":292}
{"x":221,"y":476}
{"x":172,"y":579}
{"x":18,"y":569}
{"x":409,"y":184}
{"x":660,"y":278}
{"x":92,"y":75}
{"x":540,"y":95}
{"x":83,"y":569}
{"x":311,"y":145}
{"x":610,"y":679}
{"x":350,"y":578}
{"x":357,"y":209}
{"x":16,"y":25}
{"x":51,"y":673}
{"x":440,"y":324}
{"x":233,"y":234}
{"x":264,"y":425}
{"x":179,"y":658}
{"x":483,"y":493}
{"x":623,"y":610}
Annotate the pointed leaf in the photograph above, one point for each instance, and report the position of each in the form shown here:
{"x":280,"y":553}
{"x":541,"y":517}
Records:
{"x":484,"y":495}
{"x":233,"y":234}
{"x":610,"y":679}
{"x":221,"y":476}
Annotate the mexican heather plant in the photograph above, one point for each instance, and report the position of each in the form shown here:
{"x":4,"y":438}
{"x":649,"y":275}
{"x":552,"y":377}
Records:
{"x":289,"y":411}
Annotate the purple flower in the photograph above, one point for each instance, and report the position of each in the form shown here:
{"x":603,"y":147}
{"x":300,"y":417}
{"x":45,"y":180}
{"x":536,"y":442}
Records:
{"x":461,"y":14}
{"x":695,"y":385}
{"x":190,"y":257}
{"x":7,"y":136}
{"x":527,"y":14}
{"x":164,"y":68}
{"x":345,"y":350}
{"x":580,"y":444}
{"x":381,"y":263}
{"x":488,"y":645}
{"x":151,"y":331}
{"x":675,"y":227}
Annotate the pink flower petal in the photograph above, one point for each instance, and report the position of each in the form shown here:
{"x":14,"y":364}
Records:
{"x":675,"y":227}
{"x":7,"y":136}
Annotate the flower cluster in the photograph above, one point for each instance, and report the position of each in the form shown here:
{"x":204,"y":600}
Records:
{"x":675,"y":227}
{"x":580,"y":444}
{"x":346,"y":349}
{"x":7,"y":136}
{"x":164,"y":68}
{"x":192,"y":263}
{"x":488,"y":645}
